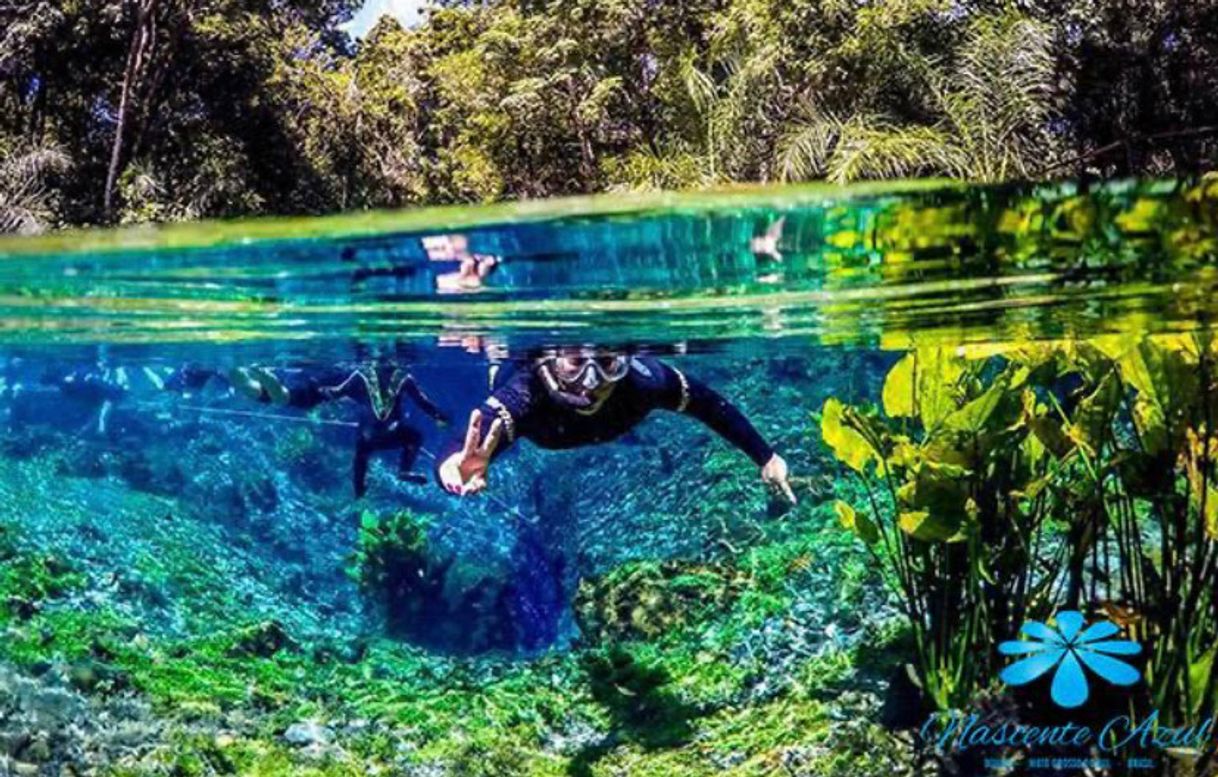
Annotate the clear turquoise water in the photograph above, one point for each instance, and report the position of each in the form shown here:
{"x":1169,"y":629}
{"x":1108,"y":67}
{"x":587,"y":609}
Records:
{"x":846,"y":280}
{"x":850,"y":268}
{"x":194,"y":511}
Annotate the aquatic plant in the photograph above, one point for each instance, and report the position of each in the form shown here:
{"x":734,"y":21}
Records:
{"x":1003,"y":484}
{"x":646,"y":599}
{"x":430,"y":600}
{"x":945,"y":472}
{"x":27,"y":581}
{"x":1152,"y":458}
{"x":391,"y":562}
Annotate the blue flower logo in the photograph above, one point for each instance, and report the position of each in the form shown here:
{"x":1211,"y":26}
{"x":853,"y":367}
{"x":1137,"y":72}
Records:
{"x":1064,"y":648}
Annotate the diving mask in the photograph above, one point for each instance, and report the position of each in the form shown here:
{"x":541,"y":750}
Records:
{"x":573,"y":378}
{"x":589,"y":370}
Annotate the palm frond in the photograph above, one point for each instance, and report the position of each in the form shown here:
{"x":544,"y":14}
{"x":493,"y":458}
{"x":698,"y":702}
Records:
{"x":32,"y":163}
{"x":883,"y":150}
{"x":26,"y":204}
{"x":991,"y":106}
{"x":804,"y":149}
{"x":1004,"y":81}
{"x":698,"y":85}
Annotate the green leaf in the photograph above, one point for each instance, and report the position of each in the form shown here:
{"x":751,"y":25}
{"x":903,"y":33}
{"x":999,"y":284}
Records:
{"x":926,"y":526}
{"x":1093,"y":416}
{"x":1050,"y":435}
{"x":368,"y":521}
{"x":860,"y":524}
{"x":1199,"y":673}
{"x":923,"y":384}
{"x":974,"y":416}
{"x":938,"y":370}
{"x":1166,"y":378}
{"x":898,"y":393}
{"x":937,"y":488}
{"x":847,"y":444}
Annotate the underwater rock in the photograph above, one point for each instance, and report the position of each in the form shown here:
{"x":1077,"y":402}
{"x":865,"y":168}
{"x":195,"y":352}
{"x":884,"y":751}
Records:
{"x":576,"y":737}
{"x":38,"y":750}
{"x":38,"y":721}
{"x":47,"y":707}
{"x":97,"y":677}
{"x":308,"y":733}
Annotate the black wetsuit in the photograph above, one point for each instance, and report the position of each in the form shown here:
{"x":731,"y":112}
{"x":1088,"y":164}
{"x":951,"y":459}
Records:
{"x":529,"y":410}
{"x":379,"y":392}
{"x":190,"y":378}
{"x":92,"y":386}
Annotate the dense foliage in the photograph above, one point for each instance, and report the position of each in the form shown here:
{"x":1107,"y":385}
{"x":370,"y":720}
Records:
{"x":177,"y":109}
{"x":1077,"y":475}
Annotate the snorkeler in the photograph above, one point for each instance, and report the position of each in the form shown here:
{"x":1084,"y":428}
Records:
{"x":96,"y":387}
{"x":583,"y":396}
{"x":377,"y":388}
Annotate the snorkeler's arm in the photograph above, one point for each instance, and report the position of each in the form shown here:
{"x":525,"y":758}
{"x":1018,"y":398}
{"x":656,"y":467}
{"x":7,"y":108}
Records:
{"x":415,"y":392}
{"x":506,"y":409}
{"x":310,"y":388}
{"x":683,"y":394}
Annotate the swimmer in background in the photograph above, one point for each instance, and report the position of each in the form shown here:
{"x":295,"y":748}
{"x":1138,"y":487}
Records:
{"x":378,"y":388}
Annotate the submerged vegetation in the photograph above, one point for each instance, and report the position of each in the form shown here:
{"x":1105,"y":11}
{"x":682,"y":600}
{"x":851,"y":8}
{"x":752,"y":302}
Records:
{"x":156,"y":110}
{"x":244,"y":697}
{"x":211,"y":630}
{"x":1071,"y":476}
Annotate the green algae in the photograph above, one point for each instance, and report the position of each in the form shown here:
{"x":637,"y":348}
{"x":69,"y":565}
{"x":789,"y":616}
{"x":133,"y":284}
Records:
{"x":654,"y":699}
{"x":735,"y":674}
{"x":28,"y":582}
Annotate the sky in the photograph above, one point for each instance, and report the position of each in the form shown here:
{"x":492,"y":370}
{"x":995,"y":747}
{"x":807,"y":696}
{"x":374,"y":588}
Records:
{"x":405,"y":11}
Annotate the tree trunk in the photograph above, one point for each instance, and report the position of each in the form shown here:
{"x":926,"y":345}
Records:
{"x":141,"y":43}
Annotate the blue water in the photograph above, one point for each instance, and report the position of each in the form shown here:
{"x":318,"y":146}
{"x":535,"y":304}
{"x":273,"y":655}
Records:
{"x":778,"y":299}
{"x":188,"y":573}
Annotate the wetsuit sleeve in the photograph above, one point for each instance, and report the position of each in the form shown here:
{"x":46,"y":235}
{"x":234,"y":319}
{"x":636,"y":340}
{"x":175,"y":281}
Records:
{"x":413,"y":390}
{"x":511,"y":403}
{"x":683,"y":394}
{"x":309,"y":388}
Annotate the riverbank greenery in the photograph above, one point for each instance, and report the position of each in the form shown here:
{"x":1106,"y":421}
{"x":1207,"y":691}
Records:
{"x":179,"y":109}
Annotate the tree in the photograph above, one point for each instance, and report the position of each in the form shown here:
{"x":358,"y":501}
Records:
{"x":27,"y":200}
{"x":990,"y":113}
{"x":181,"y":109}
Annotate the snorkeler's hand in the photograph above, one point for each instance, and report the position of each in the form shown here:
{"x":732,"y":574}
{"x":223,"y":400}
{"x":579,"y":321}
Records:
{"x":464,"y":472}
{"x":775,"y":474}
